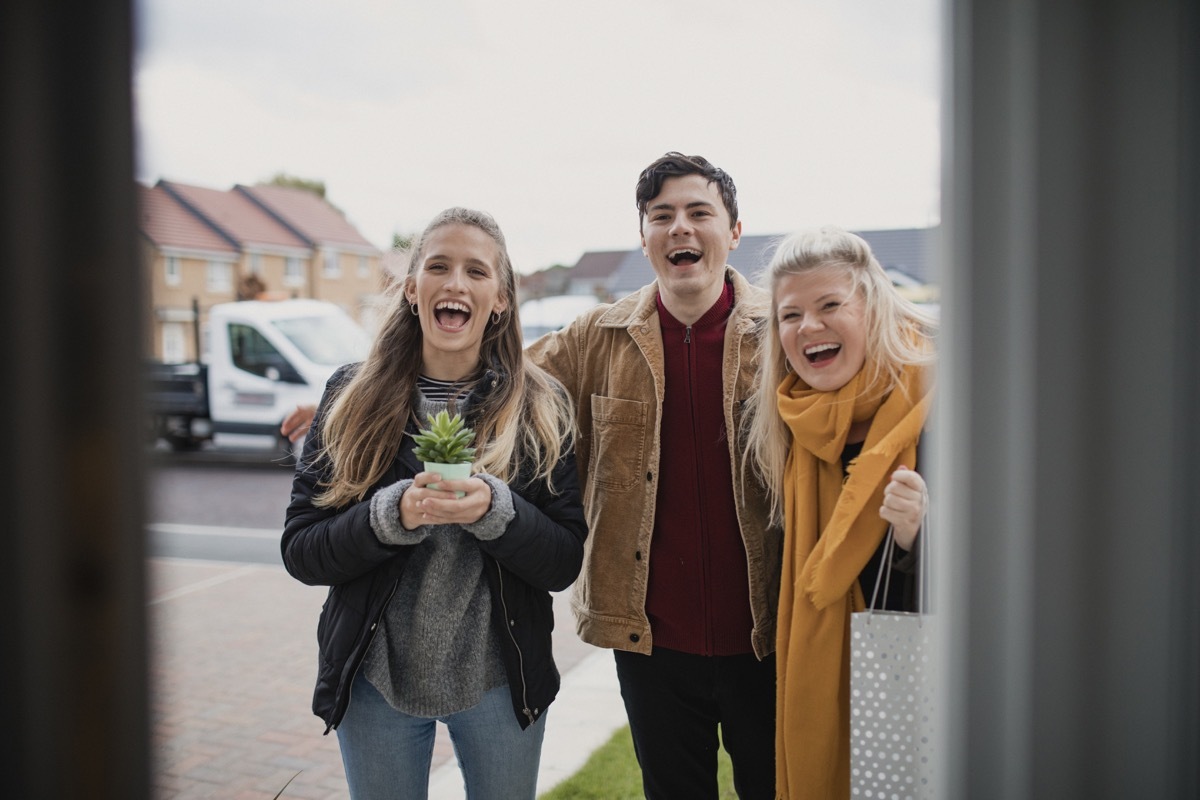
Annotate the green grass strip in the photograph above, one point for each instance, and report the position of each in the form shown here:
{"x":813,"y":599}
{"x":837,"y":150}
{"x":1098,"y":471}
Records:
{"x":612,"y":773}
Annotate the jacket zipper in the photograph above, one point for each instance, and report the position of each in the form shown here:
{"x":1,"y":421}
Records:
{"x":704,"y":565}
{"x":520,"y":656}
{"x":366,"y":647}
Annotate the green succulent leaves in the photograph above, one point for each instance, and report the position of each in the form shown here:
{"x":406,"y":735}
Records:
{"x":445,"y":440}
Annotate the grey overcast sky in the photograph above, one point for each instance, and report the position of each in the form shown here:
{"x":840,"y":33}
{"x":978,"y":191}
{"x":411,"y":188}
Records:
{"x":544,"y":112}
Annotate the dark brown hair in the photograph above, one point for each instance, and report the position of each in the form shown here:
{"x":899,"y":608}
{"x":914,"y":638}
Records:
{"x":674,"y":165}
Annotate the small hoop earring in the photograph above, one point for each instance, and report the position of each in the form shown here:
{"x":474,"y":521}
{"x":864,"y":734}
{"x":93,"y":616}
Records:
{"x":495,"y":317}
{"x":413,"y":308}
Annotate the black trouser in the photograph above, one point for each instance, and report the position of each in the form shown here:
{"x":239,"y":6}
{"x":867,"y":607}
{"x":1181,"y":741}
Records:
{"x":675,"y":702}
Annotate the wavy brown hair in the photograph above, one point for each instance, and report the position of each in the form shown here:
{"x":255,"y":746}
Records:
{"x":526,"y":419}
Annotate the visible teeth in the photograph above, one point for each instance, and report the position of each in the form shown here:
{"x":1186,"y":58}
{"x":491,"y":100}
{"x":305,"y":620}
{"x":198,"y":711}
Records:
{"x":677,"y":256}
{"x":451,"y":305}
{"x":819,"y":348}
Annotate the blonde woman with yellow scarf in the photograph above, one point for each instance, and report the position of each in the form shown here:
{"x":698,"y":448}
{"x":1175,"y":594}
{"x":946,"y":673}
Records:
{"x":846,"y":388}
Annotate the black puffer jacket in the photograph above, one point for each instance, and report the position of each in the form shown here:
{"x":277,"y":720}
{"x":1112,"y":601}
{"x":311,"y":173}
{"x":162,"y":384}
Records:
{"x":541,"y":551}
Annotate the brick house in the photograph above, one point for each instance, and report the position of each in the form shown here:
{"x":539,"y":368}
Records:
{"x":204,"y":246}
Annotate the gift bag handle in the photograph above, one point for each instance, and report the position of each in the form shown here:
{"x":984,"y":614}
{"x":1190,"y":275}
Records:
{"x":885,"y":565}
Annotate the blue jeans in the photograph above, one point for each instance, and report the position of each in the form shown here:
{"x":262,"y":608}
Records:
{"x":387,"y":753}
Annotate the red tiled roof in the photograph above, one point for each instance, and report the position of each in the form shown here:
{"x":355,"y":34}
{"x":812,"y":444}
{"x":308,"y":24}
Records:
{"x":236,"y":215}
{"x":307,"y":214}
{"x":169,"y":225}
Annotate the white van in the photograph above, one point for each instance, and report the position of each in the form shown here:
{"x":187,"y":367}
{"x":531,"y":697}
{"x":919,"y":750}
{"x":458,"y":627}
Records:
{"x":261,"y":358}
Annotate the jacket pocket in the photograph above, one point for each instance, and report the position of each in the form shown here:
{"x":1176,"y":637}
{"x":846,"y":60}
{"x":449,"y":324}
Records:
{"x":618,"y":442}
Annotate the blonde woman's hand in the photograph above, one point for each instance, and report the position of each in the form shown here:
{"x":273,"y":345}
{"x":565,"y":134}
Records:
{"x":905,"y":500}
{"x":421,"y":504}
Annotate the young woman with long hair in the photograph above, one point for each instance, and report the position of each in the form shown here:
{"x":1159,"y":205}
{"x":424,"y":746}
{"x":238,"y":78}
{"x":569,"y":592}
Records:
{"x":439,"y":604}
{"x":845,"y":393}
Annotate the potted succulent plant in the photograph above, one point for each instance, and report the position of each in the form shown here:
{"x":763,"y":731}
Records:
{"x":443,"y":447}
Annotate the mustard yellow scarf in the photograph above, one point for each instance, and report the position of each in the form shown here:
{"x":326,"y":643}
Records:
{"x":831,"y":530}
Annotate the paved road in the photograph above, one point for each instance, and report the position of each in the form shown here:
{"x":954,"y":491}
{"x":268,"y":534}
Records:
{"x":231,"y":491}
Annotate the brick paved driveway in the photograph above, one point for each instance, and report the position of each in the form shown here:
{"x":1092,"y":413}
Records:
{"x":233,"y":649}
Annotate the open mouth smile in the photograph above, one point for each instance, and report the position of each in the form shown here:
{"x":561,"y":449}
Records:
{"x":822,"y":353}
{"x":684,"y":256}
{"x":452,"y":315}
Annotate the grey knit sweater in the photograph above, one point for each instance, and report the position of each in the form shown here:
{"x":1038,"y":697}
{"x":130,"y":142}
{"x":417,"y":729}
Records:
{"x":436,"y":651}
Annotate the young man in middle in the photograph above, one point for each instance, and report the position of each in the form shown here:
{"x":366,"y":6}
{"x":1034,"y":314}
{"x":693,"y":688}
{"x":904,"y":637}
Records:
{"x":659,"y":380}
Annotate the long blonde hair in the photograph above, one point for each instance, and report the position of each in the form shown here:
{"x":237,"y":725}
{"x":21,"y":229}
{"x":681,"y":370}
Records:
{"x":526,"y":419}
{"x":898,"y":334}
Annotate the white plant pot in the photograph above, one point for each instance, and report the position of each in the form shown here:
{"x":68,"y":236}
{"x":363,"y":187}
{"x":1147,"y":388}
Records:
{"x":451,"y":472}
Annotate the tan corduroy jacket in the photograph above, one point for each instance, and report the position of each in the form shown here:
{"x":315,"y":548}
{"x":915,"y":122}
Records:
{"x":611,"y":361}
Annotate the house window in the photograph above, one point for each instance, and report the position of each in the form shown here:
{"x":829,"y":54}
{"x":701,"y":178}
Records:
{"x":333,"y":267}
{"x":220,"y":276}
{"x":256,"y":267}
{"x":293,"y":272}
{"x":364,"y":267}
{"x":173,"y":274}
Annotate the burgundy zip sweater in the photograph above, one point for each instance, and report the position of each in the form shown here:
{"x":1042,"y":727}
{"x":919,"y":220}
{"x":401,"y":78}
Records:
{"x":698,"y":598}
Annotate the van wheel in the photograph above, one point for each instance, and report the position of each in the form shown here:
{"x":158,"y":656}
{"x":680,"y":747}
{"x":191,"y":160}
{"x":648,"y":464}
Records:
{"x":183,"y":444}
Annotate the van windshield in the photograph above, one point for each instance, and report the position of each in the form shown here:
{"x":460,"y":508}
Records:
{"x":327,"y":340}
